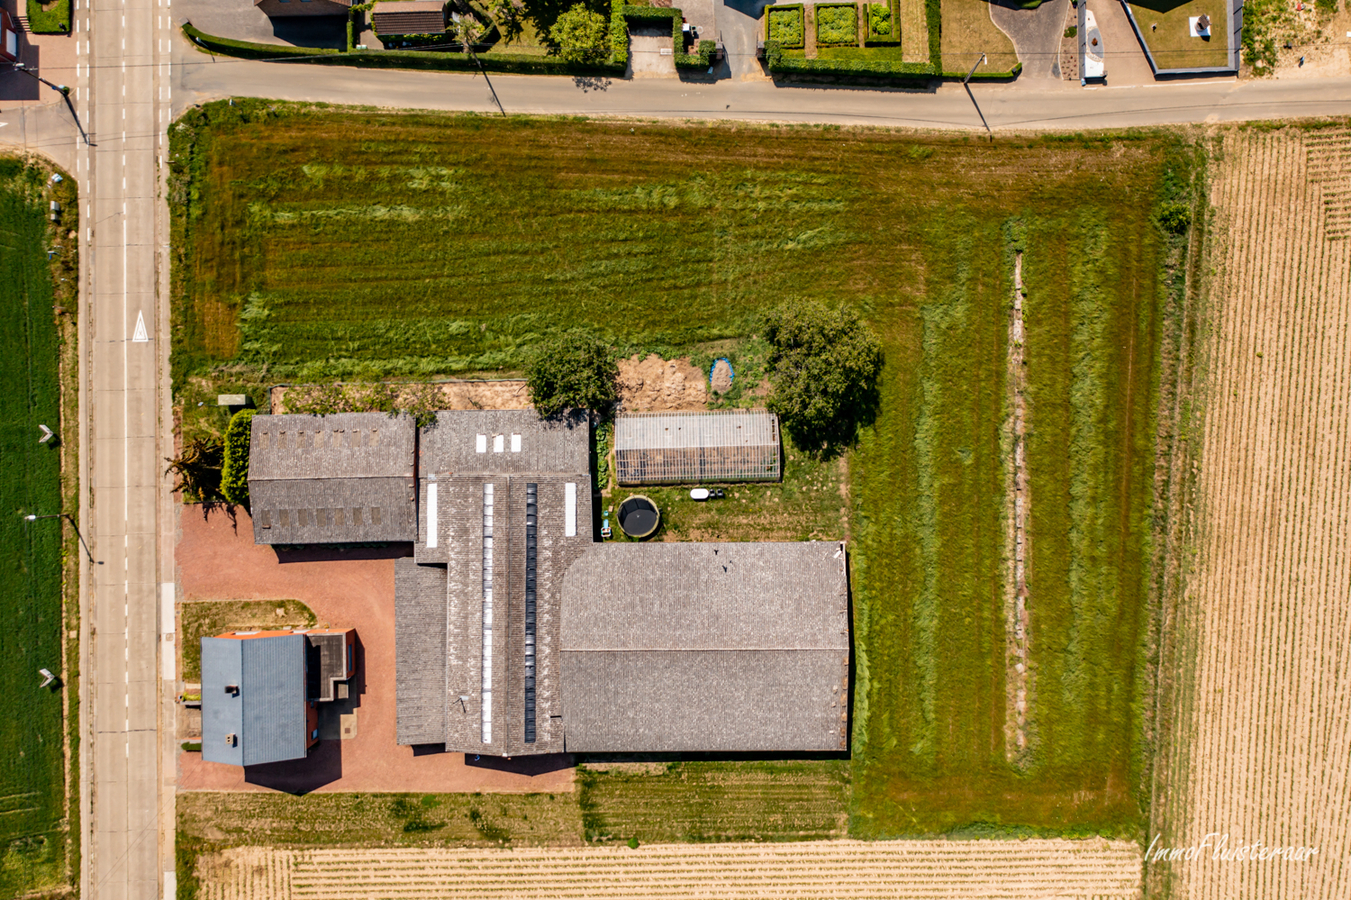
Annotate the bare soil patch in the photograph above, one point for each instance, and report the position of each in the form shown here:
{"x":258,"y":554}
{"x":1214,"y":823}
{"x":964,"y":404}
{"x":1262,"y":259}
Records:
{"x":655,"y":384}
{"x":504,"y":394}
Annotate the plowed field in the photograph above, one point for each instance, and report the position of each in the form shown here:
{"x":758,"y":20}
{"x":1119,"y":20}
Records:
{"x":896,"y":870}
{"x":1264,"y":736}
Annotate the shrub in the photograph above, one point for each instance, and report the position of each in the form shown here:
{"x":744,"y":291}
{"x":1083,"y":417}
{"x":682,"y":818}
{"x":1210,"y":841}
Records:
{"x":837,"y":24}
{"x":197,"y":470}
{"x":824,"y":363}
{"x":580,"y":36}
{"x":573,"y":370}
{"x":1072,"y":31}
{"x":1175,"y":217}
{"x":785,"y":26}
{"x":234,"y":476}
{"x":879,"y":22}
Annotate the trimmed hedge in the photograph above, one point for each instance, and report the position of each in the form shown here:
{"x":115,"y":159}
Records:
{"x":54,"y":18}
{"x":869,"y":68}
{"x":234,"y":475}
{"x":784,"y":26}
{"x":398,"y":59}
{"x":836,"y":24}
{"x":933,"y":16}
{"x":884,"y":25}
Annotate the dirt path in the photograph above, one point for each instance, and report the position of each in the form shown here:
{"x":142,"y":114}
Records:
{"x":896,"y":870}
{"x":1265,"y":739}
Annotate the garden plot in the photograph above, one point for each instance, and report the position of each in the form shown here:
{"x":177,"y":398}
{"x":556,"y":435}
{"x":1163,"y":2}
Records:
{"x":1261,"y":743}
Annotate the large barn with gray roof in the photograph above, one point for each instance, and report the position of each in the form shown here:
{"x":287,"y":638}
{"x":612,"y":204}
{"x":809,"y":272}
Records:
{"x":518,"y":632}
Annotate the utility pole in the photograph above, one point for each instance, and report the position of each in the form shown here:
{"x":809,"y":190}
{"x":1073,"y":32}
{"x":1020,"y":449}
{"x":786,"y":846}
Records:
{"x":973,"y":96}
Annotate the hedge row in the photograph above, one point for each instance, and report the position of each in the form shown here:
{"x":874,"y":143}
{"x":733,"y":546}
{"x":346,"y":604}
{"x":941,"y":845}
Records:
{"x":234,"y":475}
{"x":872,"y":68}
{"x":933,"y":17}
{"x":883,"y":23}
{"x":398,"y":59}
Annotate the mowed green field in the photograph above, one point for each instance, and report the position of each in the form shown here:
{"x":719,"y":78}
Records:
{"x":313,"y":243}
{"x":32,"y":783}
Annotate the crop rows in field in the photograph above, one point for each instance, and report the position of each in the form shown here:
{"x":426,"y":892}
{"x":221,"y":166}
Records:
{"x":1266,"y":735}
{"x":897,"y":870}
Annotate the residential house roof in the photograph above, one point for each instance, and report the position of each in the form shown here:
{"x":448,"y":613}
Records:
{"x":409,"y":17}
{"x":265,"y":712}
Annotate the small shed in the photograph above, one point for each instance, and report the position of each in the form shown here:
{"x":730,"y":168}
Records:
{"x":692,"y":447}
{"x":409,"y":17}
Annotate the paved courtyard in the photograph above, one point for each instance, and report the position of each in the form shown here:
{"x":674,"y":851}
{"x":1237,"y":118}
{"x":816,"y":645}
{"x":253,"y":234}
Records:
{"x":217,"y":560}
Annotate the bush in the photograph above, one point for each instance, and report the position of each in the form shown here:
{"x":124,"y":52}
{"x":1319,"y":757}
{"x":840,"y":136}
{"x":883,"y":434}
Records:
{"x":234,"y":476}
{"x":837,"y":24}
{"x":580,"y":36}
{"x":572,"y":371}
{"x":824,"y":363}
{"x":879,"y":22}
{"x":785,"y":26}
{"x":1175,"y":217}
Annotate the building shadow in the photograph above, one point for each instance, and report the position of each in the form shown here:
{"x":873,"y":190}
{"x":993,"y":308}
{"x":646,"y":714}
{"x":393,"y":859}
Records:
{"x":335,"y":552}
{"x":522,"y":765}
{"x":300,"y":776}
{"x":15,"y":85}
{"x":329,"y":32}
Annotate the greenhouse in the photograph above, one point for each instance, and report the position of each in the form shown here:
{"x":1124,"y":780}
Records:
{"x":692,"y":447}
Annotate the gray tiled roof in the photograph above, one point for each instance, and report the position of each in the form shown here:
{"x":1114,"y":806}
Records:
{"x":420,"y":652}
{"x":268,"y":713}
{"x":548,"y":446}
{"x":685,"y":647}
{"x":409,"y":17}
{"x":343,"y":478}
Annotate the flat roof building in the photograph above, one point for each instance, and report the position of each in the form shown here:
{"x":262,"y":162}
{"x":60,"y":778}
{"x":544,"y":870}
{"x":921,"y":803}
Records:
{"x":693,"y":447}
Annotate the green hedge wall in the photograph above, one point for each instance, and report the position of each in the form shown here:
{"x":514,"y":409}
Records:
{"x":870,"y":68}
{"x":784,"y":26}
{"x":884,"y":23}
{"x":234,"y":476}
{"x":836,"y":24}
{"x":699,"y":59}
{"x":933,"y":15}
{"x":400,"y":59}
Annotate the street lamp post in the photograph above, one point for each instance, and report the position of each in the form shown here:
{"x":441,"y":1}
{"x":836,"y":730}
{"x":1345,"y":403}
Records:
{"x":61,"y":89}
{"x":33,"y":517}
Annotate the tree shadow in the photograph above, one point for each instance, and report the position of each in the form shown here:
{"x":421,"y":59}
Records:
{"x":589,"y":83}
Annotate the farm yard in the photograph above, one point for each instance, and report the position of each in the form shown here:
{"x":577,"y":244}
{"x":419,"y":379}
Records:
{"x":1262,"y":729}
{"x":321,"y":244}
{"x":894,"y":870}
{"x":34,"y":851}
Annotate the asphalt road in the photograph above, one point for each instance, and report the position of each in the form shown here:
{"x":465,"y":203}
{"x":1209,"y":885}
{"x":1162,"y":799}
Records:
{"x":201,"y":78}
{"x":122,"y":73}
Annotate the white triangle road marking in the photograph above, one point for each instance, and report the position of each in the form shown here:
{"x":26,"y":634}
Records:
{"x":139,"y":336}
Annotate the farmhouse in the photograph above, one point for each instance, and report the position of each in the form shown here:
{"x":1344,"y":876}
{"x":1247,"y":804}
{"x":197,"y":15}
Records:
{"x":518,"y":633}
{"x":260,"y":690}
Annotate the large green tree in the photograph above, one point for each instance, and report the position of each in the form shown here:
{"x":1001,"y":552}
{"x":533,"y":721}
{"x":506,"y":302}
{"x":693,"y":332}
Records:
{"x":824,"y":364}
{"x":581,"y":36}
{"x":572,"y":370}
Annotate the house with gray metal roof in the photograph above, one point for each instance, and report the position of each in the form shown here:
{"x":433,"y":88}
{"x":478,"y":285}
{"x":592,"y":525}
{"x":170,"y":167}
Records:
{"x":337,"y":479}
{"x":255,"y":707}
{"x":697,"y":447}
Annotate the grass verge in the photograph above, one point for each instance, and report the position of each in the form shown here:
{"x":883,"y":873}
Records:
{"x":39,"y":560}
{"x":199,"y":619}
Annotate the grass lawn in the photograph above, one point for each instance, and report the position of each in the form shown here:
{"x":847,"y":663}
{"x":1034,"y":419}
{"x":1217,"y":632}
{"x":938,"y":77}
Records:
{"x":714,"y":801}
{"x":968,"y":31}
{"x":317,"y":243}
{"x":49,"y":18}
{"x":210,"y":618}
{"x":914,"y":31}
{"x":33,"y":801}
{"x":1171,"y":44}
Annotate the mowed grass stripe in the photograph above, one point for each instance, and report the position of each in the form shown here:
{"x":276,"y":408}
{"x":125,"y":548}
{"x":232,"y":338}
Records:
{"x":31,"y":752}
